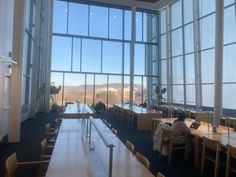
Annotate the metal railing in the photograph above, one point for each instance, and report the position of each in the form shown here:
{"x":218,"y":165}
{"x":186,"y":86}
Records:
{"x":106,"y":141}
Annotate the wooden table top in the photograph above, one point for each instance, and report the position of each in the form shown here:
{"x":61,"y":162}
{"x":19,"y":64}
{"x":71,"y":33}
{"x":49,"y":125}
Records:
{"x":223,"y":134}
{"x":137,"y":109}
{"x":70,"y":156}
{"x":73,"y":110}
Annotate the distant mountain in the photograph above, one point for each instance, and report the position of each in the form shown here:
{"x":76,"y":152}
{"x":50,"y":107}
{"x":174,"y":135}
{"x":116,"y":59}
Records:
{"x":89,"y":87}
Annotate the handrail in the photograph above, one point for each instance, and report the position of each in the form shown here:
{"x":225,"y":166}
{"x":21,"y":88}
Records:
{"x":7,"y":60}
{"x":106,"y":141}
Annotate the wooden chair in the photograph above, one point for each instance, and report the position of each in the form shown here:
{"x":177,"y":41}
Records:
{"x":160,"y":175}
{"x":214,"y":146}
{"x":11,"y":165}
{"x":231,"y":154}
{"x":130,"y":146}
{"x":50,"y":133}
{"x":108,"y":125}
{"x":173,"y":143}
{"x":143,"y":160}
{"x":114,"y":131}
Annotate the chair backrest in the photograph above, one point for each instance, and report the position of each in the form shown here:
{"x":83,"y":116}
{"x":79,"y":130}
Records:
{"x":130,"y":146}
{"x":211,"y":144}
{"x":166,"y":134}
{"x":108,"y":125}
{"x":231,"y":151}
{"x":160,"y":175}
{"x":11,"y":166}
{"x":114,"y":131}
{"x":143,"y":160}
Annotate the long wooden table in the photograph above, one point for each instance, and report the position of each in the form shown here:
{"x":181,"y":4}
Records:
{"x":223,"y":134}
{"x":144,"y":115}
{"x":78,"y":111}
{"x":70,"y":156}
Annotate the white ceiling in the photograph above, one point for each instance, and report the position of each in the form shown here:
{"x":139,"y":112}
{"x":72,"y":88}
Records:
{"x":143,"y":5}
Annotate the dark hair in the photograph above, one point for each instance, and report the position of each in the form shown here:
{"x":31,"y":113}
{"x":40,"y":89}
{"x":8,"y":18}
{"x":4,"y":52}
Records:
{"x":181,"y":116}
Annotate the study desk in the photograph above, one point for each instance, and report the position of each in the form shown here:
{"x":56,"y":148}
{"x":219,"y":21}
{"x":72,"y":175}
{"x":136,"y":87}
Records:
{"x":78,"y":111}
{"x":144,"y":115}
{"x":70,"y":156}
{"x":223,"y":134}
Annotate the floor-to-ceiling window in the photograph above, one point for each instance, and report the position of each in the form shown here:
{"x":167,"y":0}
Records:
{"x":190,"y":52}
{"x":91,"y":53}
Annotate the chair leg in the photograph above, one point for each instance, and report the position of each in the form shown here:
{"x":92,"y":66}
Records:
{"x":227,"y":166}
{"x":203,"y":160}
{"x":217,"y":164}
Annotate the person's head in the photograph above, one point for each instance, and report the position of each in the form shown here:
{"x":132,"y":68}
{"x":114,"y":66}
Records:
{"x":181,"y":116}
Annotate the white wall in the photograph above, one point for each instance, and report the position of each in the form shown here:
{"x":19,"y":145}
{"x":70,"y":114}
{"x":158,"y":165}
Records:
{"x":6,"y":24}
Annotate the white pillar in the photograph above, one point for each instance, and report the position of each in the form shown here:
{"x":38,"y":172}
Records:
{"x":219,"y":43}
{"x":35,"y":69}
{"x":132,"y":46}
{"x":45,"y":104}
{"x":17,"y":55}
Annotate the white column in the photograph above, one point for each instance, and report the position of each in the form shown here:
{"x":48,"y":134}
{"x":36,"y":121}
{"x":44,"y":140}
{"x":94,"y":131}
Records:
{"x":132,"y":46}
{"x":47,"y":50}
{"x":17,"y":54}
{"x":219,"y":44}
{"x":168,"y":56}
{"x":34,"y":89}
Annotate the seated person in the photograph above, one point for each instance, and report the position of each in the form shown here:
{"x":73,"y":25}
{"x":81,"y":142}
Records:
{"x":179,"y":127}
{"x":100,"y":106}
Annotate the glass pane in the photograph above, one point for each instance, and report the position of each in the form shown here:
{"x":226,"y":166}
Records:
{"x":207,"y":32}
{"x":188,"y":38}
{"x":163,"y":46}
{"x":114,"y":90}
{"x":115,"y":23}
{"x":127,"y":58}
{"x":76,"y":54}
{"x":126,"y":89}
{"x":78,"y":14}
{"x":61,"y":53}
{"x":89,"y":89}
{"x":177,"y":42}
{"x":154,"y":28}
{"x":190,"y":95}
{"x":229,"y":63}
{"x":208,"y":66}
{"x":229,"y":25}
{"x":101,"y":89}
{"x":163,"y":72}
{"x":146,"y":31}
{"x":137,"y":90}
{"x":177,"y":70}
{"x":229,"y":96}
{"x":91,"y":61}
{"x":112,"y":57}
{"x":206,"y":7}
{"x":188,"y":11}
{"x":127,"y":25}
{"x":139,"y":24}
{"x":208,"y":95}
{"x":176,"y":15}
{"x":139,"y":59}
{"x":228,"y":2}
{"x":163,"y":21}
{"x":74,"y":88}
{"x":60,"y":17}
{"x":57,"y":80}
{"x":154,"y":68}
{"x":189,"y":69}
{"x":145,"y":89}
{"x":178,"y":94}
{"x":98,"y":21}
